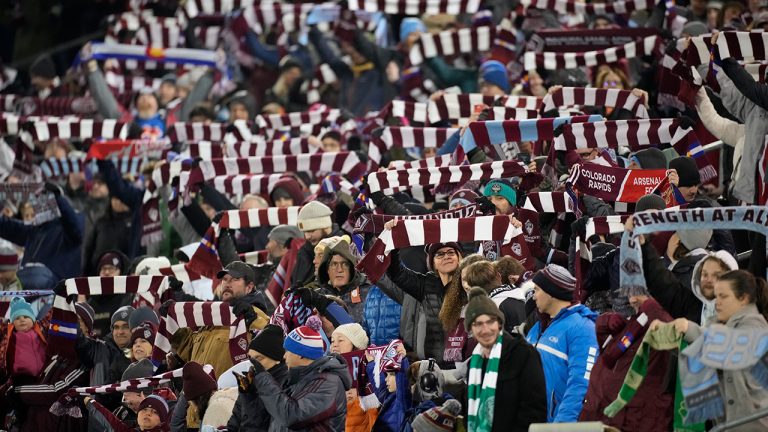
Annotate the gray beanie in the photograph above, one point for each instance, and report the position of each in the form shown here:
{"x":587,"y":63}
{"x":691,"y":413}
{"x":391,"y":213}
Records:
{"x":142,"y":314}
{"x":140,"y":369}
{"x":650,"y":202}
{"x":122,"y":314}
{"x":282,"y":233}
{"x":695,"y":239}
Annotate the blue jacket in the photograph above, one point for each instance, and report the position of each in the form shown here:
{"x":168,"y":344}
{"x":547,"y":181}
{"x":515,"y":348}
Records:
{"x":568,"y":349}
{"x":381,"y":317}
{"x":395,"y":405}
{"x":131,"y":196}
{"x":57,"y":243}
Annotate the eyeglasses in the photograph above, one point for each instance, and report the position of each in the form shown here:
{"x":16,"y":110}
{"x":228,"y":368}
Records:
{"x":338,"y":265}
{"x":445,"y":254}
{"x":480,"y":324}
{"x":611,"y":83}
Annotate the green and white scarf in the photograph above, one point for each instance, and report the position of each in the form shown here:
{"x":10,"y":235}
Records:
{"x":482,"y":389}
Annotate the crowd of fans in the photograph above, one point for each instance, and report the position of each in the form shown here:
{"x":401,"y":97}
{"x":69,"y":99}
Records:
{"x":268,"y":216}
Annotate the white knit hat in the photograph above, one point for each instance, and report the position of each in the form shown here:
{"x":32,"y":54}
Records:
{"x":313,"y":216}
{"x":355,"y":333}
{"x":151,"y":266}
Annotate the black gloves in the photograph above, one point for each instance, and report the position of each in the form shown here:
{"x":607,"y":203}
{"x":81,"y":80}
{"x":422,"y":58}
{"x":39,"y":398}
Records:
{"x":245,"y":381}
{"x":217,"y":218}
{"x":687,"y":122}
{"x":485,"y":205}
{"x":242,"y":309}
{"x":53,"y":188}
{"x":163,"y":311}
{"x":174,"y":284}
{"x":313,"y":299}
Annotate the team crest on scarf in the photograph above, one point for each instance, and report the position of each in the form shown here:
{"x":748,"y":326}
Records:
{"x":631,"y":266}
{"x":517,"y":249}
{"x":529,"y":227}
{"x":242,"y":343}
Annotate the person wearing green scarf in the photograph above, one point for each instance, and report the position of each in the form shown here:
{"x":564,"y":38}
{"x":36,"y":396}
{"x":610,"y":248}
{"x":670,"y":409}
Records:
{"x":504,"y":368}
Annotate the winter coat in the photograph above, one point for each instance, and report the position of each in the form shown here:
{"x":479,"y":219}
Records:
{"x":111,"y":232}
{"x":729,"y":131}
{"x":747,"y":102}
{"x":60,"y":374}
{"x":8,"y":346}
{"x":132,"y":197}
{"x":304,"y":269}
{"x":511,"y":302}
{"x":683,"y":269}
{"x":359,"y":420}
{"x":354,"y":293}
{"x":249,"y":413}
{"x":56,"y":244}
{"x":312,"y":398}
{"x":742,"y":393}
{"x":210,"y":345}
{"x":423,"y":332}
{"x":520,"y":386}
{"x":394,"y":406}
{"x":106,"y":363}
{"x":651,"y":408}
{"x":220,"y":407}
{"x":602,"y":284}
{"x":568,"y":349}
{"x":673,"y":295}
{"x":381,"y":317}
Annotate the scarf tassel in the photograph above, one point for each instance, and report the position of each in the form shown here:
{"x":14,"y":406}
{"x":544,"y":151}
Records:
{"x":704,"y":405}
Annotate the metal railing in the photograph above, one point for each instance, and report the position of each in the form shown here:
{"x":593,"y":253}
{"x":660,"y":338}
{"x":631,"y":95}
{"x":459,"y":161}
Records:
{"x":744,"y":420}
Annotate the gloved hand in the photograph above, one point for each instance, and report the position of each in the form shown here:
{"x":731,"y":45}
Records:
{"x":242,"y":309}
{"x":687,"y":122}
{"x":174,"y":284}
{"x":579,"y":227}
{"x":163,"y":311}
{"x":53,"y":188}
{"x":244,"y":381}
{"x":313,"y":299}
{"x":485,"y":205}
{"x":217,"y":217}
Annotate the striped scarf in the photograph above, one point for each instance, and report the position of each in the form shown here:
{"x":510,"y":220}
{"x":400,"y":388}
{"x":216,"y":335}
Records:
{"x":57,"y":168}
{"x":246,"y":184}
{"x":481,"y":396}
{"x":195,"y":315}
{"x":148,"y":30}
{"x":291,"y":312}
{"x":452,"y":42}
{"x":405,"y":137}
{"x":50,"y":106}
{"x":419,"y":7}
{"x":281,"y":279}
{"x":556,"y":60}
{"x":205,"y":260}
{"x":43,"y":202}
{"x":374,"y":223}
{"x":153,"y":55}
{"x":748,"y":46}
{"x":621,"y":7}
{"x":217,"y":132}
{"x":431,"y":162}
{"x":210,"y":150}
{"x":135,"y":384}
{"x":612,"y":98}
{"x":297,"y":119}
{"x":74,"y":128}
{"x":422,"y":232}
{"x":614,"y":183}
{"x":636,"y":134}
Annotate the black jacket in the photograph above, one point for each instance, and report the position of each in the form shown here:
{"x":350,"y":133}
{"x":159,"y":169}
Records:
{"x":520,"y":387}
{"x":304,"y":269}
{"x":671,"y":293}
{"x":249,"y":413}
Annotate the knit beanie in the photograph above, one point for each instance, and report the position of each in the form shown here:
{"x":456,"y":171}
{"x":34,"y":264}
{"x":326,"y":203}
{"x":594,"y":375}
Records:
{"x":269,"y":342}
{"x":113,"y":258}
{"x":86,"y":313}
{"x":695,"y":28}
{"x":144,"y":331}
{"x":282,"y":233}
{"x":9,"y":259}
{"x":140,"y":369}
{"x":122,"y":314}
{"x":43,"y":67}
{"x":410,"y":25}
{"x":461,"y":198}
{"x":650,"y":202}
{"x":196,"y":382}
{"x":494,"y":72}
{"x":141,"y":315}
{"x":151,"y":266}
{"x":695,"y":239}
{"x":556,"y":281}
{"x":480,"y":304}
{"x":158,"y":404}
{"x":438,"y":419}
{"x":651,"y":158}
{"x":287,"y":187}
{"x":314,"y":215}
{"x":355,"y":333}
{"x":434,"y":247}
{"x":305,"y":342}
{"x":502,"y":188}
{"x":687,"y":171}
{"x":20,"y":307}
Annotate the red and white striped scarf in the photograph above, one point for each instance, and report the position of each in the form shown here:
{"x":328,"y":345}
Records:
{"x":69,"y":128}
{"x":149,"y":30}
{"x":240,"y":185}
{"x":748,"y":46}
{"x":556,"y":60}
{"x":404,"y":179}
{"x":324,"y":75}
{"x":637,"y":134}
{"x":374,"y":223}
{"x":406,"y":137}
{"x":193,"y":8}
{"x":63,"y":331}
{"x":287,"y":16}
{"x":417,"y":7}
{"x":553,"y":202}
{"x":431,"y":162}
{"x":422,"y":232}
{"x":452,"y":42}
{"x":50,"y":106}
{"x":58,"y":168}
{"x":194,"y":315}
{"x":297,"y":119}
{"x":621,"y":7}
{"x":180,"y":272}
{"x":210,"y":150}
{"x":215,"y":132}
{"x":122,"y":84}
{"x":457,"y":107}
{"x":205,"y":260}
{"x":613,"y":98}
{"x":135,"y":384}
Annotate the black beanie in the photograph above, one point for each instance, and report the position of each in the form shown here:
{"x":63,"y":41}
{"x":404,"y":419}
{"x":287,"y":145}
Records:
{"x":43,"y":67}
{"x":687,"y":171}
{"x":269,"y":342}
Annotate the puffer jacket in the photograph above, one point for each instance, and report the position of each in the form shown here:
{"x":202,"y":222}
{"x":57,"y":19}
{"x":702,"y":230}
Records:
{"x":742,"y":393}
{"x":568,"y":348}
{"x":651,"y":408}
{"x":313,"y":397}
{"x":381,"y":317}
{"x":359,"y":420}
{"x":673,"y":295}
{"x":249,"y":413}
{"x":395,"y":405}
{"x":420,"y":326}
{"x":354,"y":293}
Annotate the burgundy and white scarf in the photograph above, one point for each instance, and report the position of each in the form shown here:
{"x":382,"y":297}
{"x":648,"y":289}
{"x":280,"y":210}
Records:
{"x":748,"y":46}
{"x":180,"y":272}
{"x":122,"y":84}
{"x":289,"y":17}
{"x":614,"y":183}
{"x":403,"y":179}
{"x":636,"y":134}
{"x":148,"y":30}
{"x":205,"y":260}
{"x":406,"y":137}
{"x":418,"y":7}
{"x":135,"y":384}
{"x":452,"y":42}
{"x":211,"y":150}
{"x":215,"y":132}
{"x":374,"y":223}
{"x":239,"y":185}
{"x":431,"y":162}
{"x":613,"y":98}
{"x":324,"y":75}
{"x":50,"y":106}
{"x":256,"y":258}
{"x":504,"y":47}
{"x":413,"y":111}
{"x":554,"y":202}
{"x":56,"y":168}
{"x":422,"y":232}
{"x":43,"y":202}
{"x":194,"y":315}
{"x":63,"y":330}
{"x":297,"y":119}
{"x":193,"y":8}
{"x":621,"y":7}
{"x":69,"y":128}
{"x":554,"y":61}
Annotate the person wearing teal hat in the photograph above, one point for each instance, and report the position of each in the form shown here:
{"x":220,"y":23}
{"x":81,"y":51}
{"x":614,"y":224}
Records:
{"x":502,"y":194}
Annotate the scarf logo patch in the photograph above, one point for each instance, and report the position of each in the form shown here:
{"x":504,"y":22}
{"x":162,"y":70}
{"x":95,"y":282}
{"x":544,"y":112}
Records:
{"x":517,"y":249}
{"x":242,"y":344}
{"x":529,"y":227}
{"x":631,"y":266}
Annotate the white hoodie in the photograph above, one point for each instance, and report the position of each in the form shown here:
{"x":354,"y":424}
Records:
{"x":708,"y":312}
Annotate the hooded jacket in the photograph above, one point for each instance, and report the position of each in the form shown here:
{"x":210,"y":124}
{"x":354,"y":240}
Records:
{"x":568,"y":348}
{"x":395,"y":405}
{"x":381,"y":316}
{"x":312,"y":398}
{"x":511,"y":302}
{"x":673,"y":295}
{"x":249,"y":413}
{"x":304,"y":269}
{"x":355,"y":292}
